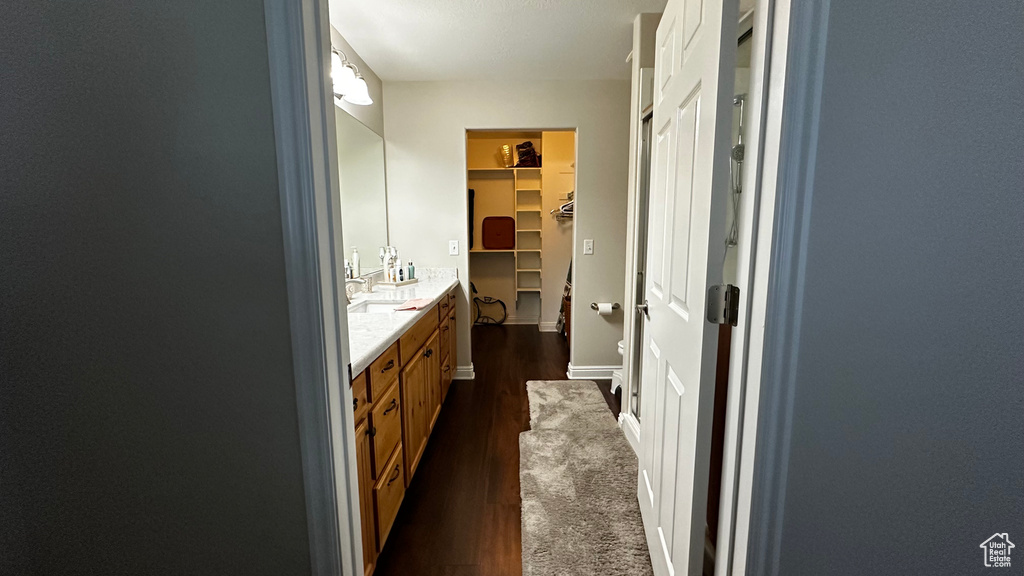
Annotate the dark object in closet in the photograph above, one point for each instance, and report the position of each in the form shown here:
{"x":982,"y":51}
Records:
{"x":527,"y":156}
{"x":565,"y":312}
{"x":486,"y":309}
{"x":499,"y":233}
{"x":472,"y":199}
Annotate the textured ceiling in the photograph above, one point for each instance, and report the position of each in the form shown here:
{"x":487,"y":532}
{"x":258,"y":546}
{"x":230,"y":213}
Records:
{"x":487,"y":39}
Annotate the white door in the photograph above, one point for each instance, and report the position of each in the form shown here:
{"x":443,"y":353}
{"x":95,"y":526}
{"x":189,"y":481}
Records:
{"x":694,"y":68}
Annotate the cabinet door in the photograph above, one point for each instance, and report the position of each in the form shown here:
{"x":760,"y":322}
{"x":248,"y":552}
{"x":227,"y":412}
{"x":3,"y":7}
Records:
{"x":446,"y":377}
{"x":432,"y":355}
{"x":453,"y":342}
{"x":365,"y":479}
{"x":415,"y":415}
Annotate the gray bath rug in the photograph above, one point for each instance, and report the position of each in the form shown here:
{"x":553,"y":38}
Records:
{"x":578,"y":479}
{"x":568,"y":405}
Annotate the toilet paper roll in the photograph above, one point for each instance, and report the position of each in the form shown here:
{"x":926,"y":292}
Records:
{"x":604,"y":308}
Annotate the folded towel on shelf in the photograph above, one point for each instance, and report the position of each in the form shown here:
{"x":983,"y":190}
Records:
{"x":415,"y":304}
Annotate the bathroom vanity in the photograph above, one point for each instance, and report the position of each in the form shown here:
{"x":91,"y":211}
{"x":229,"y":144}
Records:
{"x":402,"y":368}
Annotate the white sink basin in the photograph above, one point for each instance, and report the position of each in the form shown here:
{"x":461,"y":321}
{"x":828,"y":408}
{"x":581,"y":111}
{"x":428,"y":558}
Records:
{"x":373,"y":307}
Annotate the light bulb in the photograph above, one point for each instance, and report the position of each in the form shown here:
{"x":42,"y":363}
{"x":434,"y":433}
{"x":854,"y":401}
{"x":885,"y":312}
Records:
{"x":359,"y":94}
{"x":342,"y":75}
{"x":336,"y":64}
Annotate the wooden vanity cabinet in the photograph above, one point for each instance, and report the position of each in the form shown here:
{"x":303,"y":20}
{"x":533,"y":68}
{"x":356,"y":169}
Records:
{"x":377,"y":407}
{"x":420,"y":403}
{"x":396,"y":402}
{"x":364,"y":451}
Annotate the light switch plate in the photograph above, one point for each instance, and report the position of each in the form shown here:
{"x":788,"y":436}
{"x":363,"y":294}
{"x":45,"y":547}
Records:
{"x":588,"y":246}
{"x":453,"y":247}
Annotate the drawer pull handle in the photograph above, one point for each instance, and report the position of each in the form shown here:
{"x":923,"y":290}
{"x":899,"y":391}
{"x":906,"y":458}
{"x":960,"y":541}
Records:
{"x":446,"y":369}
{"x":394,"y":476}
{"x":428,"y":353}
{"x":355,"y":403}
{"x":388,"y":366}
{"x":394,"y":404}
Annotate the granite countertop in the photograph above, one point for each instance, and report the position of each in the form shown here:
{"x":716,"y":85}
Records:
{"x":370,"y":334}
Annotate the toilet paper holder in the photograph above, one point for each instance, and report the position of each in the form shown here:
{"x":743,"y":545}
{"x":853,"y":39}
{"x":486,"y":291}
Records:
{"x":615,"y":306}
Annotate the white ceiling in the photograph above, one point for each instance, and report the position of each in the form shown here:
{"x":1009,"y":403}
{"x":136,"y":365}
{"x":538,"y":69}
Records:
{"x":488,"y":39}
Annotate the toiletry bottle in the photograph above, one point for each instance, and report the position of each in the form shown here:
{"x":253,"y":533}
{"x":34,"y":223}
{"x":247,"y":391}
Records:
{"x":412,"y":272}
{"x":401,"y":274}
{"x":348,"y":270}
{"x":355,"y":262}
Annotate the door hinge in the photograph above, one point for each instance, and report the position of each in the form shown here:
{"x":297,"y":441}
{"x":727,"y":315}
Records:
{"x":723,"y":304}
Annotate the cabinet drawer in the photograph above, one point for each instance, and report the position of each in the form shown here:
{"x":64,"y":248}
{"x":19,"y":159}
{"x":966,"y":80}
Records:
{"x":442,"y":310}
{"x":413,"y":340}
{"x":383,"y":371}
{"x":386,"y":421}
{"x":387,"y":496}
{"x":360,"y":397}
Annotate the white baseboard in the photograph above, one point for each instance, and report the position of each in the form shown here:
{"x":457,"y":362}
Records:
{"x":591,"y":372}
{"x":547,"y":326}
{"x":631,"y":428}
{"x":464,"y":373}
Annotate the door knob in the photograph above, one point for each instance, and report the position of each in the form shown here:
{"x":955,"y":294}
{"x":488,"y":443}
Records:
{"x":643,"y":308}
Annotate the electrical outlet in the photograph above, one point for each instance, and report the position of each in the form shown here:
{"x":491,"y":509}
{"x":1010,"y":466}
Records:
{"x":588,"y":246}
{"x":453,"y":247}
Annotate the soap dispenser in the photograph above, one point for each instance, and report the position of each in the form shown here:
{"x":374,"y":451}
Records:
{"x":355,"y":262}
{"x":411,"y":275}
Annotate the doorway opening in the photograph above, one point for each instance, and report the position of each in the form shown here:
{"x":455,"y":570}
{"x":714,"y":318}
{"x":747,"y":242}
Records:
{"x":521,"y":187}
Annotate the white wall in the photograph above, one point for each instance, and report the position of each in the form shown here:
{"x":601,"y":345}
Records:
{"x":426,"y":125}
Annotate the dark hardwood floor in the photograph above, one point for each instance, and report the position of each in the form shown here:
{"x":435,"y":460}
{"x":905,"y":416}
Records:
{"x":461,"y":514}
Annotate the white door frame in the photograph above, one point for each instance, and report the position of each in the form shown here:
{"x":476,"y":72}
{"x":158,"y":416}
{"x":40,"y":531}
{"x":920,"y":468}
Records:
{"x":769,"y":60}
{"x":298,"y":39}
{"x":771,"y":23}
{"x":298,"y":45}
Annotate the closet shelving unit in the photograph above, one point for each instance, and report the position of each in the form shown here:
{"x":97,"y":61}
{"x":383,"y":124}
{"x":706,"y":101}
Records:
{"x":529,"y":240}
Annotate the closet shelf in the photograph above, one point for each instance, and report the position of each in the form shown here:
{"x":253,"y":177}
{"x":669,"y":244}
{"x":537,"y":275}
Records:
{"x":529,"y":209}
{"x":529,"y":230}
{"x":487,"y":251}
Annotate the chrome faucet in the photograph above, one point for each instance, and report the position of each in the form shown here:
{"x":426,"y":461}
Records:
{"x":351,"y":281}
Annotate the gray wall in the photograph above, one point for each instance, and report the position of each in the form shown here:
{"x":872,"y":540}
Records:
{"x":893,"y":416}
{"x":147,"y":404}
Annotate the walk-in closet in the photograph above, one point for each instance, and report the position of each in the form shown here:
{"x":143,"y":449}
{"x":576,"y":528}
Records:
{"x":521,"y":191}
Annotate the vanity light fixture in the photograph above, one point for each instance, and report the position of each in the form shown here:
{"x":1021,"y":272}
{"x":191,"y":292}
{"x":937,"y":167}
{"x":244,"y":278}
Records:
{"x":349,"y":84}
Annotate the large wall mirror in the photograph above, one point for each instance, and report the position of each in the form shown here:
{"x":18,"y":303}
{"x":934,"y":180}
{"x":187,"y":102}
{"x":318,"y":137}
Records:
{"x":363,"y":193}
